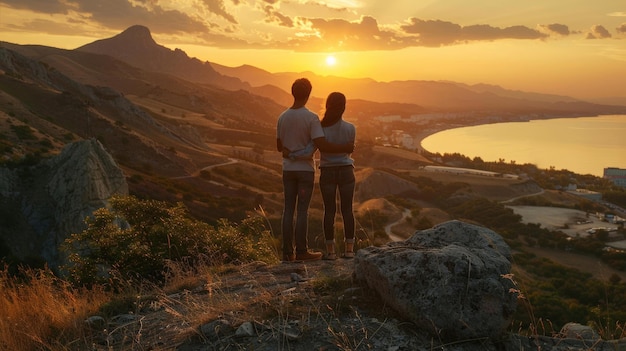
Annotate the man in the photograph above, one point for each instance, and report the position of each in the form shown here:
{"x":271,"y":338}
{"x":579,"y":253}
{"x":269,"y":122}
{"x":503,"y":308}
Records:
{"x":296,"y":128}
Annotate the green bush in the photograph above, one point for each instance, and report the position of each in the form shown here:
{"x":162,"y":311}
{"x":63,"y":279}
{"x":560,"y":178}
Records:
{"x":24,"y":132}
{"x":136,"y":238}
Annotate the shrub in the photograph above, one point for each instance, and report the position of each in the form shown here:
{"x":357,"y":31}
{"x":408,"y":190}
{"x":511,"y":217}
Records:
{"x":136,"y":238}
{"x":24,"y":132}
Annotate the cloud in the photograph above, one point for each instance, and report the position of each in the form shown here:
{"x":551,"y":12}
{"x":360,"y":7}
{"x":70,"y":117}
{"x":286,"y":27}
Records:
{"x":367,"y":34}
{"x":434,"y":32}
{"x":50,"y":27}
{"x":598,"y":32}
{"x":557,"y":28}
{"x":121,"y":14}
{"x":486,"y":32}
{"x":47,"y":7}
{"x":621,"y":28}
{"x":217,"y":7}
{"x":439,"y":33}
{"x":273,"y":16}
{"x":330,"y":25}
{"x":339,"y":34}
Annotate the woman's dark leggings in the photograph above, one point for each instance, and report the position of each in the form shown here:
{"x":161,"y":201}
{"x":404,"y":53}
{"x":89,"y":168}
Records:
{"x":332,"y":179}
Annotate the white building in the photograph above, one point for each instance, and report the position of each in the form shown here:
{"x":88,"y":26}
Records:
{"x":616,"y":175}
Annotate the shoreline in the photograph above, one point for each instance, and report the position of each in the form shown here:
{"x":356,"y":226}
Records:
{"x":419,"y":137}
{"x":432,"y":130}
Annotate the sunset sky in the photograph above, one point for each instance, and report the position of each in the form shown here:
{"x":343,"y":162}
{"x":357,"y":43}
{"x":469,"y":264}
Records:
{"x":567,"y":47}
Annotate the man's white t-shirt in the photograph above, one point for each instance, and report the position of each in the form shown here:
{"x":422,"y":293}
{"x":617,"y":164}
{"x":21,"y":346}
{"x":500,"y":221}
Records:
{"x":295,"y":129}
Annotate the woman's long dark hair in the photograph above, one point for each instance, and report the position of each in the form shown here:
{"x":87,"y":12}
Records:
{"x":335,"y":106}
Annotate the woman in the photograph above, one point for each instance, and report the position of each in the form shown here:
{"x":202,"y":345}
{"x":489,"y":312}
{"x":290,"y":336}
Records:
{"x":337,"y":174}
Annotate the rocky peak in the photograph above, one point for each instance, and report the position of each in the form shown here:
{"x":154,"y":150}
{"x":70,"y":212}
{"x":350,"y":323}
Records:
{"x":137,"y":34}
{"x":136,"y":47}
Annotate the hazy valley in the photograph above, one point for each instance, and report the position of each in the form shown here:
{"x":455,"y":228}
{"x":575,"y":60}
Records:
{"x":185,"y":130}
{"x":203,"y":134}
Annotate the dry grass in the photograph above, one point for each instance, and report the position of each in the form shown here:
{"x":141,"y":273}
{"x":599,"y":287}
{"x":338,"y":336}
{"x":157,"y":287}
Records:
{"x":42,"y":312}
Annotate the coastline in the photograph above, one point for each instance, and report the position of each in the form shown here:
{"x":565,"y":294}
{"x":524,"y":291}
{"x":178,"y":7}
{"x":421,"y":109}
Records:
{"x":419,"y":137}
{"x":423,"y":134}
{"x":583,"y":161}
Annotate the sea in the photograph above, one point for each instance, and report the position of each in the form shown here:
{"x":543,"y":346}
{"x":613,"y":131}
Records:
{"x":583,"y":145}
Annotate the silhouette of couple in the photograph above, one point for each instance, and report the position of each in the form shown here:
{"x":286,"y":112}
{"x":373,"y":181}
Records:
{"x":299,"y":133}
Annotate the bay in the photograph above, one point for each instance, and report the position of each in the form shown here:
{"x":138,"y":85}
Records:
{"x":584,"y":145}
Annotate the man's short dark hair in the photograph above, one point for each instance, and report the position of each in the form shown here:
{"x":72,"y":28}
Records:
{"x":301,"y":88}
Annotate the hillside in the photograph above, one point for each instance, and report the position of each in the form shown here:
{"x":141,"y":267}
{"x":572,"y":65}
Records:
{"x":158,"y":122}
{"x":204,"y":135}
{"x":165,"y":117}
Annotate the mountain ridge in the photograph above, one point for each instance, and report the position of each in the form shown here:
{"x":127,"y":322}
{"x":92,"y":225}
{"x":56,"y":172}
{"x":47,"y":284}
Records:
{"x":136,"y":46}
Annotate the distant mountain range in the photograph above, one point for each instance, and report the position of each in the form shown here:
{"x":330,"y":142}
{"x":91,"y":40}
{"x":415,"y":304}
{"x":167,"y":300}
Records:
{"x":133,"y":81}
{"x":133,"y":68}
{"x":136,"y":47}
{"x":138,"y":95}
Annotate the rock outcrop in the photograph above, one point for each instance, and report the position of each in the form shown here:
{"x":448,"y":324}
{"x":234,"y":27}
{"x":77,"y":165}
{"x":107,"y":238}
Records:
{"x":45,"y":203}
{"x":450,"y":279}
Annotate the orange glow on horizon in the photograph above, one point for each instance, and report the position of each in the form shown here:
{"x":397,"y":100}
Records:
{"x":527,"y":66}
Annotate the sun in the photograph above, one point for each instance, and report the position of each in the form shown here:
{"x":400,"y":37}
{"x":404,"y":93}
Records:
{"x":331,"y":60}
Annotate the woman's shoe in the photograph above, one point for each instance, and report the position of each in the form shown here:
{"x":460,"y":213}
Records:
{"x":348,"y":254}
{"x":331,"y":256}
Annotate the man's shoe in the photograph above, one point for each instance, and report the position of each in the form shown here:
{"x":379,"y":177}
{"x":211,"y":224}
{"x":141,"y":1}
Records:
{"x":308,"y":256}
{"x":289,"y":258}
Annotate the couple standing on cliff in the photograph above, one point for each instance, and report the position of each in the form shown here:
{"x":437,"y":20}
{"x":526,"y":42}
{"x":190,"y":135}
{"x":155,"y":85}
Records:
{"x":299,"y":133}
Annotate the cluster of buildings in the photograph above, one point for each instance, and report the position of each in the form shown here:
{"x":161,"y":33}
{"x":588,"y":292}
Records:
{"x":402,"y":139}
{"x":616,"y":175}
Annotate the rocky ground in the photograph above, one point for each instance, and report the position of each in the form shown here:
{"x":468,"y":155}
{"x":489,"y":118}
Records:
{"x":295,"y":306}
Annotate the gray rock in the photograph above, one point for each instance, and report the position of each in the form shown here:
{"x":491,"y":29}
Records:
{"x":295,"y":277}
{"x":124,"y":319}
{"x":578,"y":331}
{"x":49,"y":201}
{"x":448,"y":280}
{"x":217,"y":329}
{"x":96,"y":322}
{"x":246,"y":329}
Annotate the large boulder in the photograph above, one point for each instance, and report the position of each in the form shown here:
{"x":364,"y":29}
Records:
{"x":452,"y":280}
{"x":42,"y":205}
